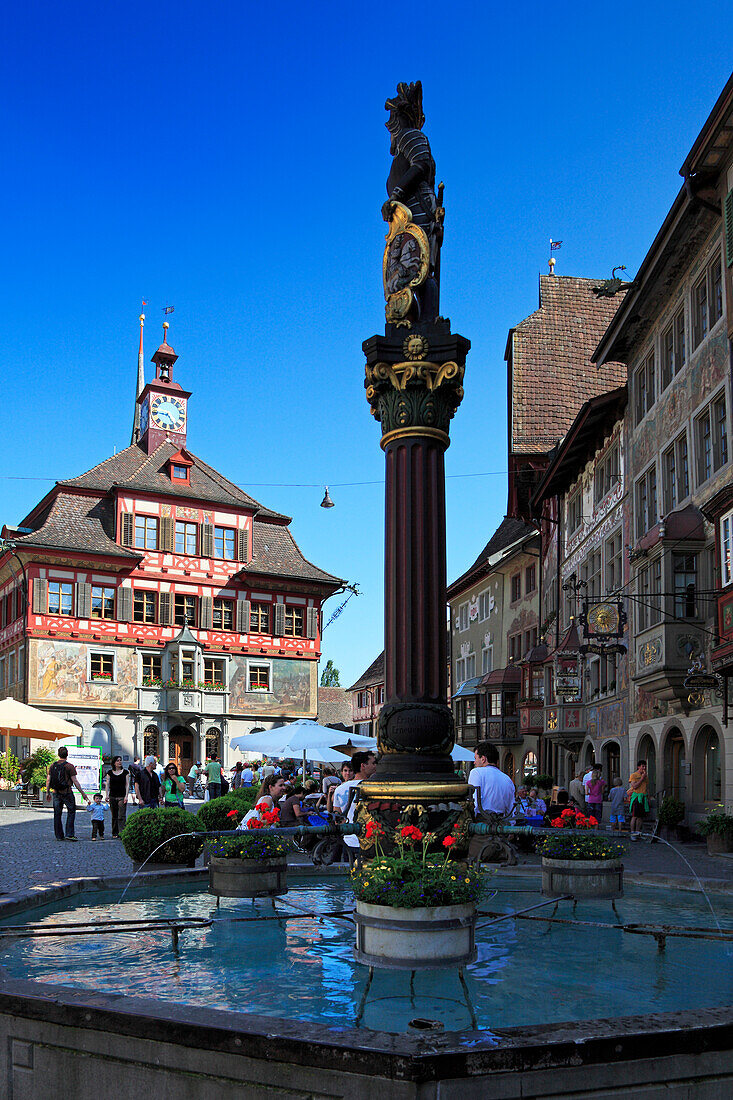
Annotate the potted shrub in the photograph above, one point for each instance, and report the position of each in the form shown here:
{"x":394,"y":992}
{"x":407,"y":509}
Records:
{"x":415,"y":911}
{"x":584,"y":866}
{"x":669,"y":815}
{"x":253,"y":866}
{"x":541,"y":782}
{"x":147,"y":829}
{"x":35,"y":769}
{"x":717,"y":828}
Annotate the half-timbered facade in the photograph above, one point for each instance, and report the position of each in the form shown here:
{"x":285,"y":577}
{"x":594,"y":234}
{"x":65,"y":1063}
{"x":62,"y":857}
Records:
{"x":166,"y":609}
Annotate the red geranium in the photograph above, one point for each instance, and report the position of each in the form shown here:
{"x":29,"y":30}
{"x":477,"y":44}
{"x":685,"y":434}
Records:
{"x":373,"y":829}
{"x":411,"y":832}
{"x":233,"y":813}
{"x":449,"y":841}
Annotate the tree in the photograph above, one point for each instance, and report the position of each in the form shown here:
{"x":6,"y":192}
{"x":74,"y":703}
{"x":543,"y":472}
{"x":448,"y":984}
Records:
{"x":330,"y":676}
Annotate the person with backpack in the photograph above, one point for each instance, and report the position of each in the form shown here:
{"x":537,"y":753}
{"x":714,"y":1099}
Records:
{"x":60,"y":778}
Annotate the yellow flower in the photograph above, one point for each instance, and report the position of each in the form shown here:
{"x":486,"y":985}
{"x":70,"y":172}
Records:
{"x":453,"y":878}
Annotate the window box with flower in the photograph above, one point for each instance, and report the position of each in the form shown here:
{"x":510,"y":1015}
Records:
{"x":414,"y":910}
{"x":253,"y":865}
{"x":585,"y":866}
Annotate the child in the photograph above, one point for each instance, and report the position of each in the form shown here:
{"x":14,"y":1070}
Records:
{"x":618,"y":800}
{"x":97,"y":808}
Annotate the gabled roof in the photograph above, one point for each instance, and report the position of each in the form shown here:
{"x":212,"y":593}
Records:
{"x":373,"y":675}
{"x":275,"y":552}
{"x":549,"y":355}
{"x":509,"y":532}
{"x":134,"y":469}
{"x":334,"y":707}
{"x":78,"y":522}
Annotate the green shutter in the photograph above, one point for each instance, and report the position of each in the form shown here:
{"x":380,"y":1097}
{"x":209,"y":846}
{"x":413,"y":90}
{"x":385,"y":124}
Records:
{"x":206,"y":541}
{"x":728,"y":223}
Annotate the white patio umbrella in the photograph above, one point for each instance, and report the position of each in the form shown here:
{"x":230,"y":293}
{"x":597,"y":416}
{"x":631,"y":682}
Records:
{"x":20,"y":720}
{"x":300,"y":738}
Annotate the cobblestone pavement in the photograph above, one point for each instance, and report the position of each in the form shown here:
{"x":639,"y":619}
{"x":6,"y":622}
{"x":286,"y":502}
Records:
{"x":29,"y":854}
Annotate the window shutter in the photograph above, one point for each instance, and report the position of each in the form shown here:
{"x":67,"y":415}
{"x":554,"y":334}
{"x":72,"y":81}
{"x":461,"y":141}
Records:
{"x":728,"y":223}
{"x":166,"y":608}
{"x":243,"y":616}
{"x":242,"y":543}
{"x":207,"y":613}
{"x":279,"y":620}
{"x":165,"y":533}
{"x":124,"y":605}
{"x":311,"y":629}
{"x":206,"y":540}
{"x":128,"y":529}
{"x":84,"y":600}
{"x":40,"y":596}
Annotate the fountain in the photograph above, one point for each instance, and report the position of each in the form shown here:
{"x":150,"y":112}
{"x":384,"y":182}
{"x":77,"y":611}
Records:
{"x":107,"y":983}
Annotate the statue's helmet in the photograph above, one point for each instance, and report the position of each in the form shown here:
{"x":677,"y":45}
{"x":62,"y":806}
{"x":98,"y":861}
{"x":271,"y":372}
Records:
{"x":405,"y":109}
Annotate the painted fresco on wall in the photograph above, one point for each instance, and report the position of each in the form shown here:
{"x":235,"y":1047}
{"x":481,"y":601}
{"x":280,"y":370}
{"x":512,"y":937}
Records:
{"x":293,"y":689}
{"x":58,"y":674}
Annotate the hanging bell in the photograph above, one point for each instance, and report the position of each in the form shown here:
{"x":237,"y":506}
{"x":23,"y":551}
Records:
{"x":326,"y":502}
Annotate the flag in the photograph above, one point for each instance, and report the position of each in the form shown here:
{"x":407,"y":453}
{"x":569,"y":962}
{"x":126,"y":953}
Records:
{"x":168,"y":309}
{"x":554,"y":244}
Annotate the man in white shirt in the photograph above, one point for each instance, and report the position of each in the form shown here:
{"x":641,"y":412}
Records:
{"x":495,"y":788}
{"x":344,"y":801}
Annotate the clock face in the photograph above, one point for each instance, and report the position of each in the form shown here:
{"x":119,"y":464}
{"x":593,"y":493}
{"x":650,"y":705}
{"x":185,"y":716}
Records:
{"x":168,"y":412}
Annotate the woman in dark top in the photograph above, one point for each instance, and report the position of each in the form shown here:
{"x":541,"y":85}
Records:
{"x":117,"y":786}
{"x":290,"y":809}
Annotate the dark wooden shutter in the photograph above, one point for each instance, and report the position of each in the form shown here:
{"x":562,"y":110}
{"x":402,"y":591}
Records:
{"x":207,"y":613}
{"x":166,"y":608}
{"x":243,"y":616}
{"x":84,"y":600}
{"x":242,"y":545}
{"x":206,"y":540}
{"x":127,"y":533}
{"x":311,"y":624}
{"x":728,"y":227}
{"x":124,"y":605}
{"x":40,"y":596}
{"x":165,"y":533}
{"x":278,"y":628}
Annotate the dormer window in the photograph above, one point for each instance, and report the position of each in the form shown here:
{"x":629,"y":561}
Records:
{"x":180,"y":472}
{"x":179,"y":467}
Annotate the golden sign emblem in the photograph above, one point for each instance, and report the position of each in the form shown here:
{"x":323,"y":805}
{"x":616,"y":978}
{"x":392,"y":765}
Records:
{"x":405,"y":264}
{"x":604,"y":619}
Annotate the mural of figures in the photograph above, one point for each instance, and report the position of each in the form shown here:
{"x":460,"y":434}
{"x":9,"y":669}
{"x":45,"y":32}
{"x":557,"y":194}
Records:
{"x":59,"y":670}
{"x":293,"y":689}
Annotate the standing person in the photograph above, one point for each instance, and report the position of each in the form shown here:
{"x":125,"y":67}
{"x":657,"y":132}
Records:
{"x":192,"y":776}
{"x":96,"y":809}
{"x":147,"y":787}
{"x":363,"y":764}
{"x":576,"y":791}
{"x":495,"y":788}
{"x":587,"y":778}
{"x":116,"y":790}
{"x":247,"y":775}
{"x":135,"y":769}
{"x":213,"y":770}
{"x":159,"y":769}
{"x":618,"y":805}
{"x":60,"y":778}
{"x":267,"y":769}
{"x":639,"y":804}
{"x":595,"y":795}
{"x":347,"y":774}
{"x":174,"y":786}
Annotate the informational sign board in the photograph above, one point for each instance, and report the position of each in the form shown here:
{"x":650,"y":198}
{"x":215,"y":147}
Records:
{"x":88,"y":764}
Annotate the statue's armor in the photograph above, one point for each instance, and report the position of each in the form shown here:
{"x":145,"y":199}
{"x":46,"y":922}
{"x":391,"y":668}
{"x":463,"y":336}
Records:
{"x":413,"y":170}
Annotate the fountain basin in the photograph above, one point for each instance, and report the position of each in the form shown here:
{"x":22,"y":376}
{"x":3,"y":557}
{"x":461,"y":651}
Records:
{"x":248,"y":878}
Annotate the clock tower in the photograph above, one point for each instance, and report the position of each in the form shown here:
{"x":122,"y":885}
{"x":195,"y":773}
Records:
{"x":163,"y":404}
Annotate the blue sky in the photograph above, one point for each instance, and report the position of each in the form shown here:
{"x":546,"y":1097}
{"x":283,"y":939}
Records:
{"x":230,"y":159}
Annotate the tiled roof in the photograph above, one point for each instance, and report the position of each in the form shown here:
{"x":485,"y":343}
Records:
{"x":275,"y":551}
{"x":373,"y":675}
{"x":551,"y":372}
{"x":78,"y":522}
{"x":138,"y":470}
{"x":334,"y":706}
{"x":509,"y":531}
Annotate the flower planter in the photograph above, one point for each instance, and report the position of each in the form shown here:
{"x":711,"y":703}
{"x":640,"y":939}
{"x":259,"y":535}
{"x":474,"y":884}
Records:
{"x":415,"y":939}
{"x":248,"y":878}
{"x":720,"y":842}
{"x":583,"y":878}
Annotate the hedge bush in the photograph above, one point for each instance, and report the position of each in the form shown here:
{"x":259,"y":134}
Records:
{"x":146,"y":829}
{"x":214,"y":814}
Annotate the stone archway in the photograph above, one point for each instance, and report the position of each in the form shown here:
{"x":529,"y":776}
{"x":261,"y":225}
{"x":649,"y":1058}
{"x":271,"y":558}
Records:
{"x":182,"y":743}
{"x":647,"y":750}
{"x":707,"y":766}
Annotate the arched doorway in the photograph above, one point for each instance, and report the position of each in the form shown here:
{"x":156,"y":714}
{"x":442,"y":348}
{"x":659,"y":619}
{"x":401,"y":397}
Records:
{"x":529,"y":767}
{"x":675,"y":761}
{"x":611,"y":761}
{"x":647,"y":750}
{"x":708,"y":771}
{"x":509,"y":765}
{"x":213,"y":743}
{"x":181,"y":741}
{"x":150,"y":741}
{"x":101,"y":738}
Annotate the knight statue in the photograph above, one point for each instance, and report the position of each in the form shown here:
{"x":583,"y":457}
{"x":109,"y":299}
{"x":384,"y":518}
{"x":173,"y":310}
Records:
{"x":414,"y":213}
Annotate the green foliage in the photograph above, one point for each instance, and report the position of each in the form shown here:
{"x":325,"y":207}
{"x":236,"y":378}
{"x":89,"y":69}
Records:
{"x":215,"y":814}
{"x":36,"y":767}
{"x":409,"y":882}
{"x":257,"y":844}
{"x":542,"y":782}
{"x":717,"y":821}
{"x":564,"y":846}
{"x":671,"y":811}
{"x":10,"y":768}
{"x":330,"y":676}
{"x":245,"y":796}
{"x":146,"y":829}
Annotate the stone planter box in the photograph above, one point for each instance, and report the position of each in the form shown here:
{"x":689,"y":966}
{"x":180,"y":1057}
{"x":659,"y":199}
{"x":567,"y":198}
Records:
{"x":248,"y":878}
{"x":583,"y":878}
{"x":415,"y":939}
{"x":719,"y":843}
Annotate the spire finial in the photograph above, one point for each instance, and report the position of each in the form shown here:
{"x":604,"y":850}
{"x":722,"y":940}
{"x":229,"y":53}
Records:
{"x":166,"y":326}
{"x":140,"y":379}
